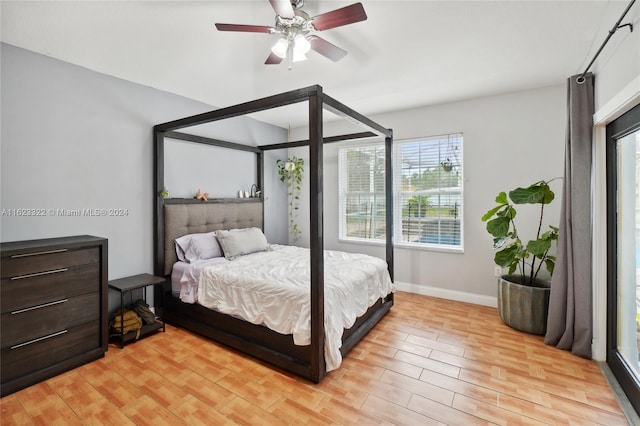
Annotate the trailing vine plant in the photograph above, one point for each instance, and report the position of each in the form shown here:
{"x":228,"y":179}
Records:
{"x":290,"y":172}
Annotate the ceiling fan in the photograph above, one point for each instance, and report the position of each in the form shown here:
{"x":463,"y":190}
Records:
{"x":297,"y":29}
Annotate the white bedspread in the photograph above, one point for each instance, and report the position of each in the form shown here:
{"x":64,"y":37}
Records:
{"x":185,"y":276}
{"x":272,"y":288}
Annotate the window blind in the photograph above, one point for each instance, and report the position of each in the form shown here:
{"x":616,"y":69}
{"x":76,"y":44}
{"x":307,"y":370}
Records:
{"x":362,"y":193}
{"x":428,"y":191}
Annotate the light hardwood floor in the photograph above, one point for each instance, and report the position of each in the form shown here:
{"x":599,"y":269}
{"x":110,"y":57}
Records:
{"x":430,"y":361}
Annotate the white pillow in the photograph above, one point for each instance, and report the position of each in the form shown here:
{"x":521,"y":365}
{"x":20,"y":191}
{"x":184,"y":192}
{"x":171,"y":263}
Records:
{"x":193,"y":247}
{"x":238,"y":242}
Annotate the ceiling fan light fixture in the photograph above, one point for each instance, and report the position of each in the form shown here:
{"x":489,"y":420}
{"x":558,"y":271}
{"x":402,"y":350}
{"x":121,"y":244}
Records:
{"x":301,"y":44}
{"x":280,"y":48}
{"x":299,"y":56}
{"x":296,"y":28}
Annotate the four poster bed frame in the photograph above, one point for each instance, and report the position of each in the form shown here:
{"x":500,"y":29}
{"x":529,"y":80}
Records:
{"x":176,"y":217}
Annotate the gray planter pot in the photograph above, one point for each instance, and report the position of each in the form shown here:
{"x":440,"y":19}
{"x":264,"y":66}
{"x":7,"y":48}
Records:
{"x":523,"y":307}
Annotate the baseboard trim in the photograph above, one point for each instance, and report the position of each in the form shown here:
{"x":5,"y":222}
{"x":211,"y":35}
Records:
{"x":443,"y":293}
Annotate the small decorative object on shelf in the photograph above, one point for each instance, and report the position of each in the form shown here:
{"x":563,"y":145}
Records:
{"x":202,"y":196}
{"x":291,"y":171}
{"x":255,"y":191}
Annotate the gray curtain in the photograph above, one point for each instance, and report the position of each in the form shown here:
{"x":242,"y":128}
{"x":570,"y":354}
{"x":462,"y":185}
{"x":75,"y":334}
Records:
{"x":569,"y":324}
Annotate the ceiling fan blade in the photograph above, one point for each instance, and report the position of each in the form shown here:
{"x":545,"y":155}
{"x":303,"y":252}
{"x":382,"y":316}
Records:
{"x":339,"y":17}
{"x":283,"y":8}
{"x":245,"y":28}
{"x":326,"y":49}
{"x":273,"y":59}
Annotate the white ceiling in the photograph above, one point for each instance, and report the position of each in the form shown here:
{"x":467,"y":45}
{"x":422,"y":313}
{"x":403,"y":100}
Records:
{"x":406,"y":54}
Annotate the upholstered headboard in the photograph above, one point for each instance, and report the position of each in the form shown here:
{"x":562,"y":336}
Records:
{"x":183,"y":219}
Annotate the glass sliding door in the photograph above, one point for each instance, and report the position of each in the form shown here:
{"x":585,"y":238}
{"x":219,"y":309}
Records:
{"x":623,"y":251}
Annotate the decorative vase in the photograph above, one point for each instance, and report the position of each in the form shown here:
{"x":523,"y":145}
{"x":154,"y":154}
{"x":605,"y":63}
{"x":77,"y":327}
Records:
{"x":524,"y":307}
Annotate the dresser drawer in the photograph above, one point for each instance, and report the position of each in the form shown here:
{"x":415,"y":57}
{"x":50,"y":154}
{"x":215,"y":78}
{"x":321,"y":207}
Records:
{"x":35,"y":263}
{"x":26,"y":292}
{"x":53,"y":307}
{"x":49,"y":350}
{"x":41,"y":320}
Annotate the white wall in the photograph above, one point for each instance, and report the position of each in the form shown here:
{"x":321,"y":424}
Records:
{"x":510,"y":140}
{"x":76,"y":139}
{"x":190,"y":166}
{"x":619,"y":63}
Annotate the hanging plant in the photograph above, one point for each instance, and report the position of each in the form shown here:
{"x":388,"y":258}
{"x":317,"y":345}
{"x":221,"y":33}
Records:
{"x":447,"y":165}
{"x":290,"y":172}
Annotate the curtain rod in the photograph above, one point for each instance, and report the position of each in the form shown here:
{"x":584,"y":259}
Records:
{"x":615,"y":28}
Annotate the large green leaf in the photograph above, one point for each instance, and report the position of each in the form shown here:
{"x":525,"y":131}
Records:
{"x":530,"y":195}
{"x":549,"y":196}
{"x":539,"y":247}
{"x":499,"y":242}
{"x":538,"y":193}
{"x":550,"y":263}
{"x":507,"y":211}
{"x":501,"y":198}
{"x":507,"y":256}
{"x":498,"y":227}
{"x":490,"y":213}
{"x":549,"y":236}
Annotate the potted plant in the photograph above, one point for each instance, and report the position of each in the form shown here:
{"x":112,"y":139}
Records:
{"x":523,"y":296}
{"x":447,"y":165}
{"x":291,"y":172}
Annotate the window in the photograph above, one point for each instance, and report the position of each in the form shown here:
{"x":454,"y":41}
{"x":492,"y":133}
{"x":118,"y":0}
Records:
{"x":427,"y":192}
{"x":362,"y":197}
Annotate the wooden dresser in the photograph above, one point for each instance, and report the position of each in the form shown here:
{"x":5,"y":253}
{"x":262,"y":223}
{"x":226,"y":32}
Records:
{"x":53,"y":296}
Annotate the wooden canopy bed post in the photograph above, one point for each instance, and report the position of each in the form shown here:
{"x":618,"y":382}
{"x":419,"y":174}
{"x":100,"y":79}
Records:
{"x":388,"y":181}
{"x":158,"y":205}
{"x":316,"y":236}
{"x":177,"y":217}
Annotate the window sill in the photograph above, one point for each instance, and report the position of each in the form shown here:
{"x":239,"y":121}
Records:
{"x":405,"y":246}
{"x":430,"y":247}
{"x":362,"y":242}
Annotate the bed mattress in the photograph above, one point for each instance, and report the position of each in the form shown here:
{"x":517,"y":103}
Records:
{"x":271,"y":288}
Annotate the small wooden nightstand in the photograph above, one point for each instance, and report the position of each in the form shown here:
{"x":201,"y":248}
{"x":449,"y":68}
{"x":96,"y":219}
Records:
{"x":127,"y":284}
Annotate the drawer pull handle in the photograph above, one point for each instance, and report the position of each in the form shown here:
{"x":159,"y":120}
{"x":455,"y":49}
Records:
{"x":37,"y":274}
{"x":16,"y":256}
{"x":57,"y":302}
{"x":39,"y":339}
